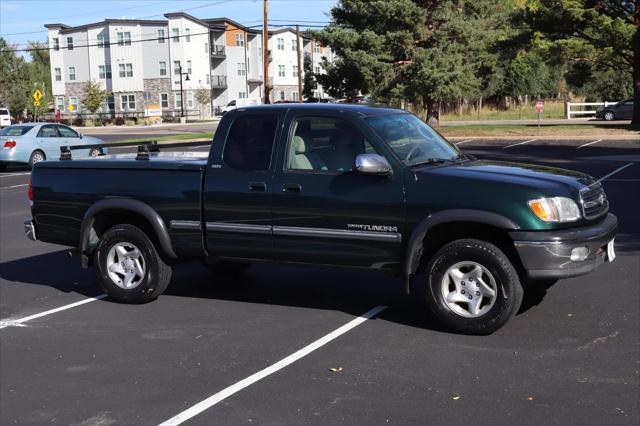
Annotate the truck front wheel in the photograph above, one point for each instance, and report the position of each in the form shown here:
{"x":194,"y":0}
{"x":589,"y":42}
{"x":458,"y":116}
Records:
{"x":472,"y":287}
{"x":128,"y":265}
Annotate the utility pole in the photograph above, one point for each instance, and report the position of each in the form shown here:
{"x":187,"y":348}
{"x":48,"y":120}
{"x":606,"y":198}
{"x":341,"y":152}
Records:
{"x":181,"y":89}
{"x":298,"y":53}
{"x":265,"y":52}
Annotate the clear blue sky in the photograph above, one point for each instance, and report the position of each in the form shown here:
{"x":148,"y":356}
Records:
{"x":28,"y":17}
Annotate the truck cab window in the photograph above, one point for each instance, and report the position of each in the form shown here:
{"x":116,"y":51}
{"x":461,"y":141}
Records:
{"x":325,"y":144}
{"x":249,"y":144}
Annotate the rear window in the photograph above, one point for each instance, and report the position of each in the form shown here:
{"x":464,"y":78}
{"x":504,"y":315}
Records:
{"x":15,"y":130}
{"x":4,"y":112}
{"x":249,"y":142}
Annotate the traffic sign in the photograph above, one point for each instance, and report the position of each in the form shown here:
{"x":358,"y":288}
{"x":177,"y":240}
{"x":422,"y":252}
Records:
{"x":71,"y":107}
{"x":37,"y":97}
{"x":539,"y":106}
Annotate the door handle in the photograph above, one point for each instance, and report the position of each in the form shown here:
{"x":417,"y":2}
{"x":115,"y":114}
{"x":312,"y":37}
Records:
{"x":257,"y":186}
{"x":292,"y":187}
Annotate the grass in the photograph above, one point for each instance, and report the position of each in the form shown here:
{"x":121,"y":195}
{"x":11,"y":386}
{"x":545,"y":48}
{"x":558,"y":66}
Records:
{"x":182,"y":137}
{"x":591,"y":130}
{"x":552,"y":110}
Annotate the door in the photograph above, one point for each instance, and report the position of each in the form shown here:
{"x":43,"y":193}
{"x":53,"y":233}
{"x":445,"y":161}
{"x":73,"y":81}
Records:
{"x":49,"y":141}
{"x":626,"y":109}
{"x":326,"y":213}
{"x":237,"y":187}
{"x":70,"y":137}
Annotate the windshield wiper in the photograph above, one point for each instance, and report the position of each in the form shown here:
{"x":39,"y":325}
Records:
{"x":433,"y":161}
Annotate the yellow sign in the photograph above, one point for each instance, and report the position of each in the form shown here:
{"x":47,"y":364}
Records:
{"x":37,"y":97}
{"x":71,"y":107}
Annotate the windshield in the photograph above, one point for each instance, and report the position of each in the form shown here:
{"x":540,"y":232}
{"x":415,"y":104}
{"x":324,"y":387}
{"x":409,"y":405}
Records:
{"x":15,"y":130}
{"x":412,"y":140}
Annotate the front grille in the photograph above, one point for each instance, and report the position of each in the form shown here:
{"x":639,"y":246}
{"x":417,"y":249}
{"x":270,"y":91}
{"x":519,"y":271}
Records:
{"x":594,"y":201}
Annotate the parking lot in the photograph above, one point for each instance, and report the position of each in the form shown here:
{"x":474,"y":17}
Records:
{"x":70,"y":356}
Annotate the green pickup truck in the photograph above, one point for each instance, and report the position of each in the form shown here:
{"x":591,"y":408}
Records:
{"x":337,"y":185}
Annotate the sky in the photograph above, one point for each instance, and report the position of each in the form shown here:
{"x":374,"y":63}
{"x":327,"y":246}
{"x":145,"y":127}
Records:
{"x":24,"y":20}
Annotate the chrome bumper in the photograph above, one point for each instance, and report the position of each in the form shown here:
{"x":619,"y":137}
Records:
{"x":30,"y":230}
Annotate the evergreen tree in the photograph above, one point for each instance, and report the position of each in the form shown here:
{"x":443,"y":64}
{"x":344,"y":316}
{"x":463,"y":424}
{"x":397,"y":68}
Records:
{"x":309,"y":82}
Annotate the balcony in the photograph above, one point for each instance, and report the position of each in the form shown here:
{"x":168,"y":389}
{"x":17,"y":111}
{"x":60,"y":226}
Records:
{"x":218,"y":81}
{"x":218,"y":52}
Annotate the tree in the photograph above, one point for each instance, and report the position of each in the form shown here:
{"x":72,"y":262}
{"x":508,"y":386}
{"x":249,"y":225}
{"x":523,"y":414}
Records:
{"x":309,"y":82}
{"x":14,"y":87}
{"x":203,"y":96}
{"x":39,"y":74}
{"x":93,"y":96}
{"x":605,"y":34}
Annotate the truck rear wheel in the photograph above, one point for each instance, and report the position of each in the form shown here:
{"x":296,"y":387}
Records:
{"x":472,"y":287}
{"x":128,"y":265}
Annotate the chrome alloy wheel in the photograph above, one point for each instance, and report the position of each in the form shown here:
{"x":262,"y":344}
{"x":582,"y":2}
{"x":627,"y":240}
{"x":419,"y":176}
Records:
{"x":469,"y":289}
{"x":37,"y":157}
{"x":126,"y":265}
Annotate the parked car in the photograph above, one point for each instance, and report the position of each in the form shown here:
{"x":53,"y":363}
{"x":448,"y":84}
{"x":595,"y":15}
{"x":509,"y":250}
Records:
{"x":33,"y":142}
{"x":5,"y":117}
{"x":238,"y":104}
{"x":623,"y":110}
{"x":328,"y":184}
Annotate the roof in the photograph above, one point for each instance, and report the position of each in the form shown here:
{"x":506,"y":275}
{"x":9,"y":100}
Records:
{"x":186,"y":16}
{"x":362,"y":110}
{"x":67,"y":29}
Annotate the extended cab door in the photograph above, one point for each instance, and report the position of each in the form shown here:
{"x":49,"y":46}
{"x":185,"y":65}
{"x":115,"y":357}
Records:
{"x":237,"y":185}
{"x":324,"y":212}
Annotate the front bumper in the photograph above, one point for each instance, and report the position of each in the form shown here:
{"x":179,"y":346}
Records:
{"x":30,"y":230}
{"x":547,"y":254}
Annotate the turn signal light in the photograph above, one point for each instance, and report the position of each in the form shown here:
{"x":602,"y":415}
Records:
{"x":9,"y":144}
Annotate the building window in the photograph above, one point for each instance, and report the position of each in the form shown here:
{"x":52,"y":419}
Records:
{"x":281,"y":72}
{"x":102,"y":71}
{"x":103,"y":41}
{"x":69,"y":43}
{"x":160,"y":36}
{"x":177,"y":100}
{"x":281,"y":95}
{"x":189,"y":70}
{"x":239,"y":39}
{"x":60,"y":103}
{"x":58,"y":74}
{"x":295,"y":71}
{"x":176,"y":67}
{"x":73,"y":103}
{"x":280,"y":44}
{"x":164,"y":100}
{"x":206,"y":48}
{"x":294,"y":45}
{"x":128,"y":102}
{"x":248,"y":66}
{"x":208,"y":79}
{"x":316,"y":47}
{"x":242,"y":95}
{"x":72,"y":73}
{"x":242,"y":70}
{"x":187,"y":35}
{"x":56,"y":43}
{"x":124,"y":38}
{"x":129,"y":68}
{"x":175,"y":34}
{"x":189,"y":99}
{"x":317,"y":70}
{"x":163,"y":68}
{"x":294,"y":96}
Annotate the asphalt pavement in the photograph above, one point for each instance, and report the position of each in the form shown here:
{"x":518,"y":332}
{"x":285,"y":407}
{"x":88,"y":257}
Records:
{"x":70,"y":357}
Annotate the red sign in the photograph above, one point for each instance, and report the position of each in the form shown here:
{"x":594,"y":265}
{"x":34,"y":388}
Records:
{"x":539,"y":106}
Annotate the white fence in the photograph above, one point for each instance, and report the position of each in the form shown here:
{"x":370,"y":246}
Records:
{"x":584,"y":112}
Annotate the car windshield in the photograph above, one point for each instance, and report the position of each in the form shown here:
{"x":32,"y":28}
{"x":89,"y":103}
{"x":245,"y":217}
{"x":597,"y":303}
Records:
{"x":412,"y":140}
{"x":15,"y":130}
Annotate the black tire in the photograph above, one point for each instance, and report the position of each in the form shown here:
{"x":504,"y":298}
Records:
{"x":35,"y":157}
{"x":94,"y":152}
{"x":508,"y":294}
{"x":157,"y":273}
{"x":608,"y":116}
{"x":226,"y":268}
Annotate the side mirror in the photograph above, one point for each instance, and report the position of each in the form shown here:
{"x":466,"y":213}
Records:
{"x":372,"y":164}
{"x":80,"y":134}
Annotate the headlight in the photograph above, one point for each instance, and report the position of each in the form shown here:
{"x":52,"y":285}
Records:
{"x":556,"y":209}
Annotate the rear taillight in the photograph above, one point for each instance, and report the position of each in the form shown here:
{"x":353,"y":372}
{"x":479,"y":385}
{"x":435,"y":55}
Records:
{"x":30,"y":191}
{"x":9,"y":144}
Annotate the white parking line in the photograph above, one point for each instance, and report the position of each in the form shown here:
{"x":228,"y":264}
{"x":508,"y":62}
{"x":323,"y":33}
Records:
{"x":590,"y":143}
{"x":15,"y":174}
{"x":237,"y":387}
{"x":14,"y":186}
{"x":18,"y":322}
{"x":460,"y":143}
{"x":519,"y":143}
{"x":618,"y":170}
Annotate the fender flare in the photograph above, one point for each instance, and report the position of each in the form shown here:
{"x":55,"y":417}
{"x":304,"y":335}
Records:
{"x":133,"y":206}
{"x":414,"y":245}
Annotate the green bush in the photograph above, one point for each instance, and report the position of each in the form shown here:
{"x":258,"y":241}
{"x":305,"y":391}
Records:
{"x":119,"y":121}
{"x":87,"y":123}
{"x":129,"y":122}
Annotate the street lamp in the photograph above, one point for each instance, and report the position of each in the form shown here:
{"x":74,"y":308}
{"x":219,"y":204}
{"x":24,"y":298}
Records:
{"x":181,"y":90}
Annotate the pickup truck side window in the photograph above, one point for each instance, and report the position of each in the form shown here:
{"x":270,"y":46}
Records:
{"x":325,"y":144}
{"x":48,"y":132}
{"x":249,"y":143}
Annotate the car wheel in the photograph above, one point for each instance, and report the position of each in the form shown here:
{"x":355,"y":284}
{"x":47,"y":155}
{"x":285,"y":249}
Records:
{"x":222,"y":267}
{"x":95,"y":152}
{"x":609,"y":116}
{"x":472,"y":287}
{"x":128,"y":266}
{"x":36,"y":157}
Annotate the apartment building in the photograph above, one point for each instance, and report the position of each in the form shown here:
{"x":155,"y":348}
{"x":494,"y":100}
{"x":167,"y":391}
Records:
{"x":141,"y":62}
